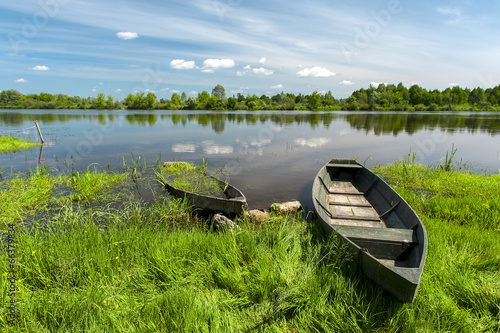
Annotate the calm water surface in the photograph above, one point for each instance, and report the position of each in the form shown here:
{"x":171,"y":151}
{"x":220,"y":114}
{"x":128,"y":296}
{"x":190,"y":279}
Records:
{"x":270,"y":156}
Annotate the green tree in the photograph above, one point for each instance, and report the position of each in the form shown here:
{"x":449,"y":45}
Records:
{"x":100,"y":101}
{"x":10,"y":96}
{"x":46,"y":97}
{"x":175,"y":99}
{"x":232,"y":103}
{"x":129,"y":101}
{"x":183,"y":97}
{"x":151,"y":100}
{"x":314,"y":101}
{"x":219,"y":92}
{"x":110,"y":102}
{"x":477,"y":96}
{"x":191,"y":103}
{"x":140,"y":101}
{"x":203,"y":97}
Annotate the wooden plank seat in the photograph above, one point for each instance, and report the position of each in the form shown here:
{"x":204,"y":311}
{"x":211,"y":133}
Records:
{"x":344,"y":166}
{"x":382,"y":243}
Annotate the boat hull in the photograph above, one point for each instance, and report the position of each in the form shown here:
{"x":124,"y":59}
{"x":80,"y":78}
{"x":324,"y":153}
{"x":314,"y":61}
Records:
{"x":234,"y":204}
{"x":381,"y":230}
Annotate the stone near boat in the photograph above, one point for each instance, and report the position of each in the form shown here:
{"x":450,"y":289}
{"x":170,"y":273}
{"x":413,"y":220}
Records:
{"x":286,"y":208}
{"x":257,"y":215}
{"x":220,"y":222}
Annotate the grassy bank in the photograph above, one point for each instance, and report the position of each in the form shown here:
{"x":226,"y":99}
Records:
{"x":90,"y":265}
{"x":11,"y":145}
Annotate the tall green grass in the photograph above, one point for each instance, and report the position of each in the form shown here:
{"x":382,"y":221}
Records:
{"x":11,"y":144}
{"x":157,"y":267}
{"x":40,"y":191}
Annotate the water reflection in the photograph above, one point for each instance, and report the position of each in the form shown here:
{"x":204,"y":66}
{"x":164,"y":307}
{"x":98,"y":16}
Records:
{"x":271,"y":156}
{"x":393,"y":123}
{"x":311,"y":142}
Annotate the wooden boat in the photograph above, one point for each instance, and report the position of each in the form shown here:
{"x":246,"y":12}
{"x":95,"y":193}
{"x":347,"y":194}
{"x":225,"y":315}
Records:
{"x":385,"y":235}
{"x":234,"y":202}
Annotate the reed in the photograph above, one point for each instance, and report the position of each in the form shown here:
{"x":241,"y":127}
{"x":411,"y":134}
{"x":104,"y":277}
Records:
{"x":12,"y":144}
{"x":157,"y":267}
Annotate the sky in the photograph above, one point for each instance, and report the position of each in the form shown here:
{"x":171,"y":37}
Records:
{"x":83,"y":47}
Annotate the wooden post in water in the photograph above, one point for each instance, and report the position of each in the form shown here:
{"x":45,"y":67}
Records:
{"x":39,"y":132}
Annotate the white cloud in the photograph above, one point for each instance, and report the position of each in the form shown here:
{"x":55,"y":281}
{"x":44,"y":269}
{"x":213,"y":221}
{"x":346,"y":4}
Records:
{"x":118,"y":90}
{"x":239,"y":91}
{"x":194,"y":92}
{"x":346,"y":83}
{"x":40,"y":68}
{"x":241,"y":73}
{"x":210,"y":148}
{"x":316,"y":72}
{"x":21,"y":80}
{"x":278,"y":86}
{"x":94,"y":90}
{"x":311,"y":142}
{"x":262,"y":60}
{"x":175,"y":91}
{"x":211,"y":65}
{"x":453,"y":84}
{"x":127,"y":35}
{"x":182,"y":64}
{"x":164,"y":89}
{"x":247,"y":67}
{"x":376,"y":84}
{"x":262,"y":70}
{"x":183,"y":148}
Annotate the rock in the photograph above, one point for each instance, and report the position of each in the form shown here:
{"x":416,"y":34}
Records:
{"x":286,"y":208}
{"x":220,"y":222}
{"x":257,"y":215}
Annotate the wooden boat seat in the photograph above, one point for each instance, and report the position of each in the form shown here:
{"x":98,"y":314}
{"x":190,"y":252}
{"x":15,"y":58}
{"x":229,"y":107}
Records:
{"x":344,"y":166}
{"x":382,"y":243}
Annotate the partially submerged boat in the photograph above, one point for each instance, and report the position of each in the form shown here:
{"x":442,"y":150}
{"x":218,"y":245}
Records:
{"x":229,"y":201}
{"x":383,"y":232}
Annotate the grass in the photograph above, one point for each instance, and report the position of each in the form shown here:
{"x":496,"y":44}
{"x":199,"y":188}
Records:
{"x":40,"y":191}
{"x":11,"y":144}
{"x":158,"y":268}
{"x":191,"y":178}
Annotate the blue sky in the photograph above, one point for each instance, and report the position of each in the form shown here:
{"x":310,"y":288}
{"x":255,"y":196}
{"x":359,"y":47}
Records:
{"x":82,"y":47}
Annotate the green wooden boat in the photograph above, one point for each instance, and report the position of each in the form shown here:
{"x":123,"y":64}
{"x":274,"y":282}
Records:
{"x":385,"y":235}
{"x":233,"y":203}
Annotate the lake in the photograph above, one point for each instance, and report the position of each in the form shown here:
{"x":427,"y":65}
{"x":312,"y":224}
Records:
{"x":270,"y":156}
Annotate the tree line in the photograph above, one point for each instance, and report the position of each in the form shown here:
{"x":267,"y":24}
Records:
{"x":388,"y":97}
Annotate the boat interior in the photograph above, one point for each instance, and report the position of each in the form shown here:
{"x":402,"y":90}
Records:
{"x":369,"y":213}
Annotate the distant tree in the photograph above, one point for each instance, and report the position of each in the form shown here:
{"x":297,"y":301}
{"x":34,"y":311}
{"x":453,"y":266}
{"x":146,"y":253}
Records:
{"x":203,"y":97}
{"x":110,"y":102}
{"x":219,"y":92}
{"x":191,"y":103}
{"x":175,"y":99}
{"x":129,"y":101}
{"x":151,"y":100}
{"x":232,"y":103}
{"x":477,"y":96}
{"x":183,"y":97}
{"x":314,"y":101}
{"x":45,"y":97}
{"x":140,"y":101}
{"x":100,"y":101}
{"x":10,"y":96}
